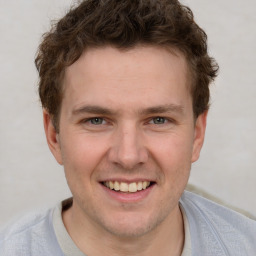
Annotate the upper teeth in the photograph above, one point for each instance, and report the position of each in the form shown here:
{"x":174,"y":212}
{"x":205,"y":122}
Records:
{"x":127,"y":187}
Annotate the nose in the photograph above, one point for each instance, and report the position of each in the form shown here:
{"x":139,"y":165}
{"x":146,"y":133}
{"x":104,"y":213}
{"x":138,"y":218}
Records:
{"x":127,"y":148}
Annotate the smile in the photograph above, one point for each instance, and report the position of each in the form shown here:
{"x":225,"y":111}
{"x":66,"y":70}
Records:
{"x":127,"y":187}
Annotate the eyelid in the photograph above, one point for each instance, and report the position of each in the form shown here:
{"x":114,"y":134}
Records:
{"x":88,"y":119}
{"x":149,"y":120}
{"x":167,"y":119}
{"x":153,"y":119}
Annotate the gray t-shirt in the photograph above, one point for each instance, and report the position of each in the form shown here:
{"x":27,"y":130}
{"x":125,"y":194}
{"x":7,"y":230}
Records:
{"x":214,"y":231}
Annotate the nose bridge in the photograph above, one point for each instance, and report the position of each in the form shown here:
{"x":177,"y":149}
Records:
{"x":128,"y":148}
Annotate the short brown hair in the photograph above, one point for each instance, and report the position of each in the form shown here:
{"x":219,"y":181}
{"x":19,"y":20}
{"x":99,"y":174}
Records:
{"x":123,"y":24}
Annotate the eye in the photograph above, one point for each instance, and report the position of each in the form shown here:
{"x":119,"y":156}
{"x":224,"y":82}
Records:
{"x":158,"y":120}
{"x":96,"y":121}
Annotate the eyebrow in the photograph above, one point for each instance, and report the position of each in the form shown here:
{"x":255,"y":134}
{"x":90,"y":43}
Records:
{"x":151,"y":110}
{"x":169,"y":108}
{"x":93,"y":110}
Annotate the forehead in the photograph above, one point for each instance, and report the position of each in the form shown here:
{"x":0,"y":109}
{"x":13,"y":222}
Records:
{"x":149,"y":75}
{"x":110,"y":60}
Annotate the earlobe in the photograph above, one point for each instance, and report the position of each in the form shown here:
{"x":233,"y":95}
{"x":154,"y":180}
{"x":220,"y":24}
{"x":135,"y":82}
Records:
{"x":199,"y":134}
{"x":52,"y":137}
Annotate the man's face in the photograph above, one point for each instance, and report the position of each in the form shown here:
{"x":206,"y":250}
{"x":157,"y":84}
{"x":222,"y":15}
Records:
{"x":127,"y":121}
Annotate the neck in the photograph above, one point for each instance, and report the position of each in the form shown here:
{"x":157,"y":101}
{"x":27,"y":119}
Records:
{"x":166,"y":239}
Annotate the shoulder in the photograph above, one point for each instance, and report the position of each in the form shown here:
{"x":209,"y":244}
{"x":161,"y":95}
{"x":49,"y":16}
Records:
{"x":217,"y":230}
{"x":33,"y":234}
{"x":29,"y":222}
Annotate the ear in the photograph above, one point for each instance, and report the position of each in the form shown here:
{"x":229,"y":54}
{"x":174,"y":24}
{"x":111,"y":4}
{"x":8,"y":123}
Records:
{"x":199,"y":133}
{"x":52,"y":137}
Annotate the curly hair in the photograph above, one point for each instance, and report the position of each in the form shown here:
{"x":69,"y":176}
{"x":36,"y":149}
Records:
{"x":123,"y":24}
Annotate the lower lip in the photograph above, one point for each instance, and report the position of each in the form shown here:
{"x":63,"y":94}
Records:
{"x":128,"y":197}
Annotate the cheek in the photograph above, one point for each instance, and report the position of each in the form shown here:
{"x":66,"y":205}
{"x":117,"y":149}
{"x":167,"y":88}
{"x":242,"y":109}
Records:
{"x":80,"y":159}
{"x":173,"y":156}
{"x":81,"y":154}
{"x":174,"y":149}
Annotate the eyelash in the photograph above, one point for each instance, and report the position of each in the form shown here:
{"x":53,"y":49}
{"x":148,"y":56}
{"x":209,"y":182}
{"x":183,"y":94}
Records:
{"x":93,"y":118}
{"x":157,"y":119}
{"x":150,"y":120}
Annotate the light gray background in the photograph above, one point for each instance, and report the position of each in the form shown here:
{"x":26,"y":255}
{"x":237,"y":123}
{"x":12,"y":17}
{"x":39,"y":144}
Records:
{"x":29,"y":176}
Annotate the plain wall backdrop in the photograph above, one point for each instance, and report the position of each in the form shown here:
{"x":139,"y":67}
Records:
{"x":29,"y":176}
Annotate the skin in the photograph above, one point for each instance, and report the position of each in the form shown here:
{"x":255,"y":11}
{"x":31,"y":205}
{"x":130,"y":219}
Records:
{"x":126,"y":116}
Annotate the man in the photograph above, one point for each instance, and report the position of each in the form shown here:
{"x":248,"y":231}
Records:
{"x":124,"y":87}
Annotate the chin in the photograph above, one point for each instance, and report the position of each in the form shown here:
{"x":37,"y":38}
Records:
{"x":132,"y":226}
{"x":128,"y":231}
